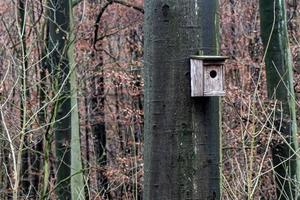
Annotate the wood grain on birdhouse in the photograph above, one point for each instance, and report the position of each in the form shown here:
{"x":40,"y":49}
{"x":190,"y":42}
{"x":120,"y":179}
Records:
{"x":213,"y":81}
{"x":197,"y":87}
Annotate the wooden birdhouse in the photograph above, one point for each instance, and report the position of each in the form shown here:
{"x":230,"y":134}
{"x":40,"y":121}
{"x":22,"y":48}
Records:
{"x":207,"y":76}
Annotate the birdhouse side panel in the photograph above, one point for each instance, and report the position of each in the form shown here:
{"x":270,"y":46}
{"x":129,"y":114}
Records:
{"x":197,"y":78}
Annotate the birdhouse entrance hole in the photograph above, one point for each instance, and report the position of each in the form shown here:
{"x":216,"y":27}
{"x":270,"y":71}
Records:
{"x":213,"y":74}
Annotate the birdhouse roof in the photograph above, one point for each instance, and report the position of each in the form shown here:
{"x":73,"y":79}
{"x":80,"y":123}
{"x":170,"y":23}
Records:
{"x":210,"y":58}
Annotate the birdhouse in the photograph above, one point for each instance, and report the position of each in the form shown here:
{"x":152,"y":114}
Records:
{"x":207,"y":76}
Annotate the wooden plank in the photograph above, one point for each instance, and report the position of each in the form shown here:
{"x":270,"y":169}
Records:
{"x":212,"y":63}
{"x":213,"y":81}
{"x":210,"y":58}
{"x":196,"y":78}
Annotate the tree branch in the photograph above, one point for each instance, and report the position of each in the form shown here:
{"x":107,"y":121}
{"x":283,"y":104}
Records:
{"x":109,"y":2}
{"x":98,"y":22}
{"x":75,"y":2}
{"x":125,"y":3}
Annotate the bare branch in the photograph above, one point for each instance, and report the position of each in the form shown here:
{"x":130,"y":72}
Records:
{"x":130,"y":5}
{"x":109,"y":2}
{"x":76,"y":2}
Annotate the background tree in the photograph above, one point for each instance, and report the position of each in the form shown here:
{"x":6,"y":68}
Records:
{"x":279,"y":70}
{"x":67,"y":133}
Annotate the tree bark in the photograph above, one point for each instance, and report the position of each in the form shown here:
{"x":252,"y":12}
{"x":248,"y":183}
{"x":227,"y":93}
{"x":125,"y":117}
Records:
{"x":182,"y":134}
{"x":279,"y":70}
{"x":67,"y":136}
{"x":24,"y":152}
{"x":58,"y":63}
{"x":98,"y":127}
{"x":77,"y":182}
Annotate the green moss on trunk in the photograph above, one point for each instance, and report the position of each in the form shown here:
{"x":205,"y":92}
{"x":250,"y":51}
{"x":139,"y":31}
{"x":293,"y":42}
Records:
{"x":67,"y":136}
{"x":279,"y":70}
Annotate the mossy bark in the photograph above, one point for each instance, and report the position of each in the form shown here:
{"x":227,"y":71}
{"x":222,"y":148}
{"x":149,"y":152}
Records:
{"x":182,"y":134}
{"x":77,"y":182}
{"x":279,"y":70}
{"x":67,"y":136}
{"x":58,"y":65}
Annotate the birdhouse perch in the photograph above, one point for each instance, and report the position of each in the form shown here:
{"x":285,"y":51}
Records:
{"x":207,"y":75}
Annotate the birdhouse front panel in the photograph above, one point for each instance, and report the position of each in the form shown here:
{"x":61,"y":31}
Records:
{"x":213,"y":81}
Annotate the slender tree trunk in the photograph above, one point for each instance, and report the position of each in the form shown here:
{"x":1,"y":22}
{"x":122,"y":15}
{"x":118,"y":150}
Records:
{"x":45,"y":142}
{"x":44,"y":116}
{"x":279,"y":70}
{"x":67,"y":137}
{"x":297,"y":24}
{"x":58,"y":64}
{"x":182,"y":134}
{"x":98,"y":127}
{"x":24,"y":153}
{"x":77,"y":179}
{"x":87,"y":163}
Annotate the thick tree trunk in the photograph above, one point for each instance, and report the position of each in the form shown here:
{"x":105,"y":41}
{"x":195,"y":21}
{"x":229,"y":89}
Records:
{"x":279,"y":72}
{"x":182,"y":134}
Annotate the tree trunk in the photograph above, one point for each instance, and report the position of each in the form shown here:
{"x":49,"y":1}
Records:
{"x":182,"y":134}
{"x":279,"y":70}
{"x":46,"y":137}
{"x":98,"y":127}
{"x":58,"y":27}
{"x":24,"y":152}
{"x":77,"y":182}
{"x":67,"y":137}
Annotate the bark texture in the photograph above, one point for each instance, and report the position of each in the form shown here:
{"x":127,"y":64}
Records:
{"x":77,"y":182}
{"x":182,"y":134}
{"x":58,"y":63}
{"x":279,"y":70}
{"x":62,"y":64}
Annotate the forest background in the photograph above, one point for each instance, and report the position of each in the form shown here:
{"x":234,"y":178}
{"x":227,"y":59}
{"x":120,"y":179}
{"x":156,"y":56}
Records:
{"x":107,"y":73}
